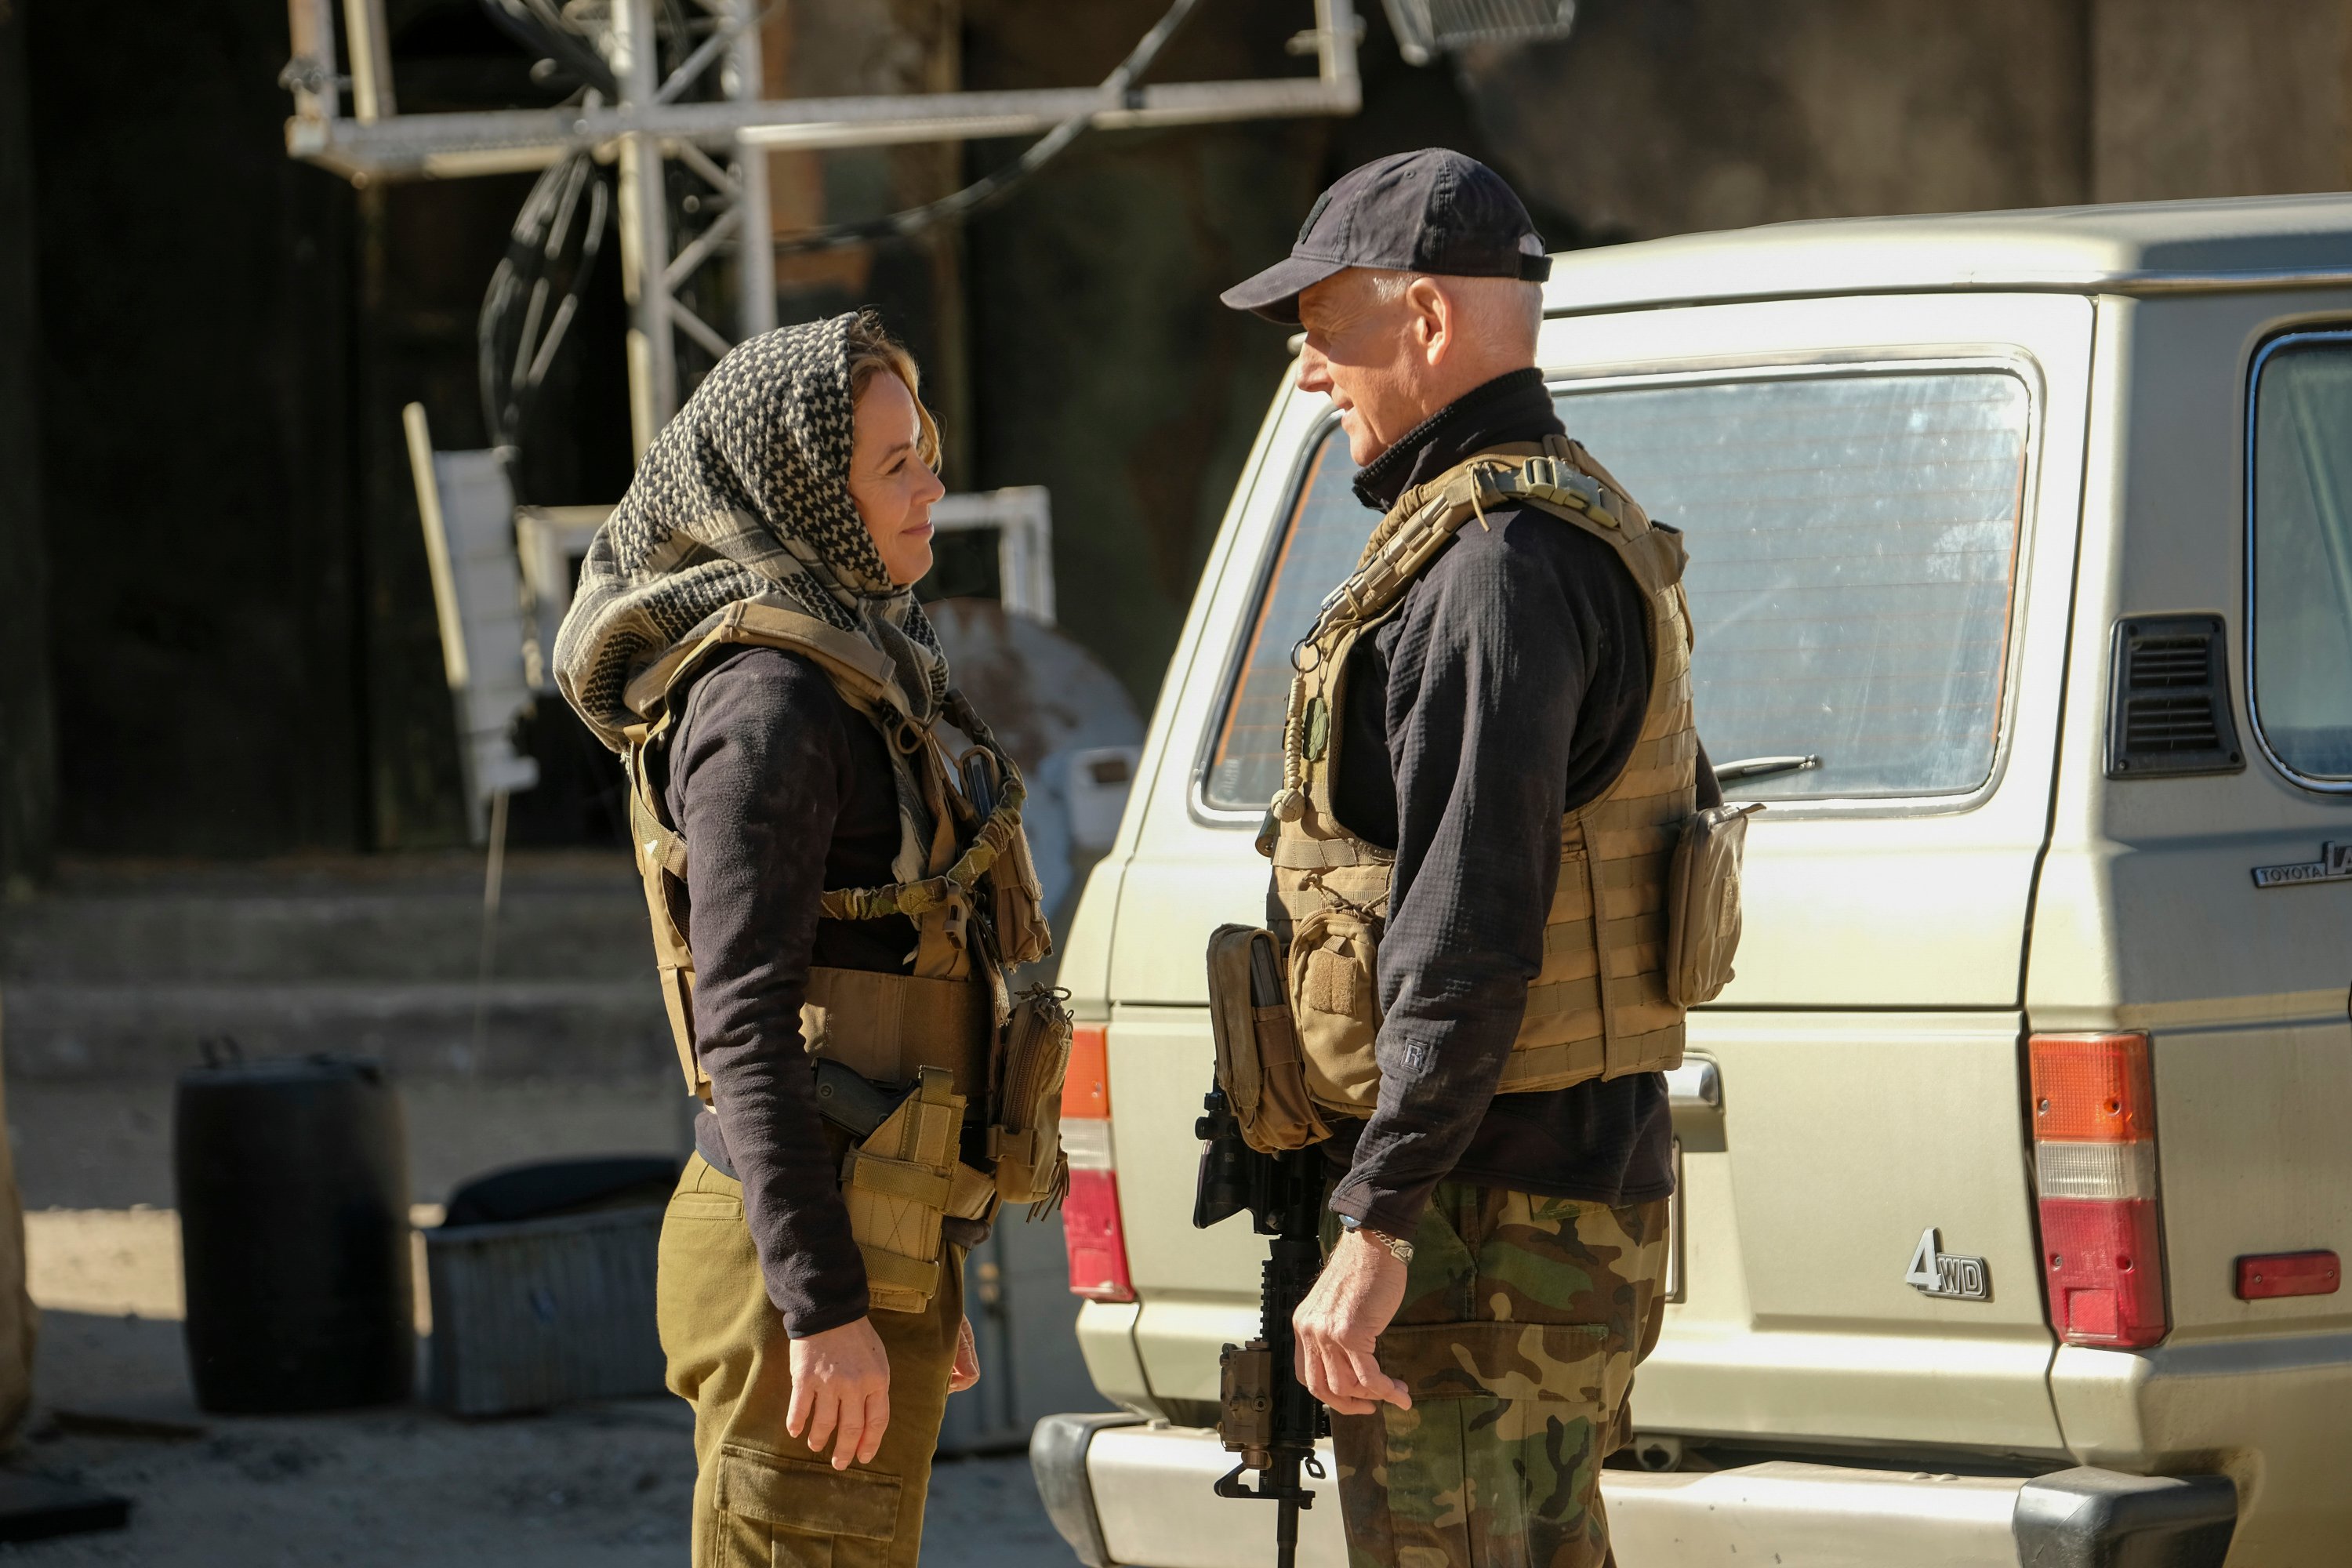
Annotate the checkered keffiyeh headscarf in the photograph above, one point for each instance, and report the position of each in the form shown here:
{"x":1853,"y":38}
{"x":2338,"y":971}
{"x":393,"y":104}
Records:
{"x":744,"y":495}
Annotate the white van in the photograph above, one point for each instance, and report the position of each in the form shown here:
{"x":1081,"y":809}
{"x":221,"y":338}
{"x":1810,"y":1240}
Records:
{"x":2017,"y":1163}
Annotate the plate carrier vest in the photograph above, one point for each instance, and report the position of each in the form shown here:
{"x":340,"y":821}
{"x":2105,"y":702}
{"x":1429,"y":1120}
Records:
{"x":1599,"y":1007}
{"x":943,"y":1028}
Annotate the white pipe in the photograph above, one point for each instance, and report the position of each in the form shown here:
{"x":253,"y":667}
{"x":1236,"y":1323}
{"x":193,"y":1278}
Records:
{"x":644,"y":232}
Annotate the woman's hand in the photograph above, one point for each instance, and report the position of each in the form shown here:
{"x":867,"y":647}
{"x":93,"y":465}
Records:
{"x":967,"y":1360}
{"x":841,"y":1380}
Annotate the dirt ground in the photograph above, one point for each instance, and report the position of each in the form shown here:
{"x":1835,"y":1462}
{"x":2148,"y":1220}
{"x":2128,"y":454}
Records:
{"x":587,"y":1487}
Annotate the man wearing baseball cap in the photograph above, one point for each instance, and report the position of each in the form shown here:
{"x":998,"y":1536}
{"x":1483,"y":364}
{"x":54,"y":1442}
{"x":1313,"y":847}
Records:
{"x":1488,"y":757}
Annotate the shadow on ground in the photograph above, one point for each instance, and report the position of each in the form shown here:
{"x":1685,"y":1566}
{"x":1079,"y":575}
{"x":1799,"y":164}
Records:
{"x":597,"y":1486}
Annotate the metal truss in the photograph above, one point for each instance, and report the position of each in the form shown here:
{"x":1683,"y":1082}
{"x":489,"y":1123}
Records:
{"x":719,"y":138}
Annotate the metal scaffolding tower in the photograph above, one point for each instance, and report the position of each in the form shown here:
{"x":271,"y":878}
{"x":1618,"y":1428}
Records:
{"x":655,"y":124}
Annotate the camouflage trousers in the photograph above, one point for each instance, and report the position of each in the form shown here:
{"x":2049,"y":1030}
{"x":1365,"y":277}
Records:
{"x":1522,"y":1320}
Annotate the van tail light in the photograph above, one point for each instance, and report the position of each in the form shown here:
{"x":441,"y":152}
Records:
{"x":2094,"y":1167}
{"x":1090,"y":1223}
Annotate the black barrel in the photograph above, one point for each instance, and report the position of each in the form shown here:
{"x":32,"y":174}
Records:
{"x":293,"y":1189}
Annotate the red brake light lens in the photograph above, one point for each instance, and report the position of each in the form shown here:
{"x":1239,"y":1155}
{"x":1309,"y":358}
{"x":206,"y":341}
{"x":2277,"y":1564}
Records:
{"x":2105,"y":1271}
{"x":1098,"y":1246}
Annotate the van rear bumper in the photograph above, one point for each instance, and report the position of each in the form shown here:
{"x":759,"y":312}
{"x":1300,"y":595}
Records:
{"x":1129,"y":1494}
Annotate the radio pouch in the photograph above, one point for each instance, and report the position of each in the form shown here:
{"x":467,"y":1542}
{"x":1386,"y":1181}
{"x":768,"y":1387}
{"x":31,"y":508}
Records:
{"x":1025,"y":1139}
{"x":1258,"y":1063}
{"x":1703,"y":903}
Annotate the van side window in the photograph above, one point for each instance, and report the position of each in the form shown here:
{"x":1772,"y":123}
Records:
{"x":1325,"y":532}
{"x":1854,"y":546}
{"x":2301,"y":518}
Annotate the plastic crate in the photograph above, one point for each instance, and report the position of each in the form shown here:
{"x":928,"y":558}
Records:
{"x":540,"y":1313}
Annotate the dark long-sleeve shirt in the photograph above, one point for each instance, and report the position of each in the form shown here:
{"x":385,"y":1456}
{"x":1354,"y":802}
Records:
{"x":1508,"y":689}
{"x":781,"y":790}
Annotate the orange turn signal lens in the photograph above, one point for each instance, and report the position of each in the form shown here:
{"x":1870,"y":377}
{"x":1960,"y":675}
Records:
{"x":1085,"y":1089}
{"x":2092,"y":1088}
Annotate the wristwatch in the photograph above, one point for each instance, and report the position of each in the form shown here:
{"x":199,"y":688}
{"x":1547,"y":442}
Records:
{"x":1398,"y":1246}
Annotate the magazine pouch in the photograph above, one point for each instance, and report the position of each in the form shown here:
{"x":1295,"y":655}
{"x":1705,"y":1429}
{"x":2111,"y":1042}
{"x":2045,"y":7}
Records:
{"x":1258,"y":1062}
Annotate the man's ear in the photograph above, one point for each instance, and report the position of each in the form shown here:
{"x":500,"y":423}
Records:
{"x":1435,"y":326}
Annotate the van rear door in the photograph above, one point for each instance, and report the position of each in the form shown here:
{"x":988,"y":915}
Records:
{"x":1880,"y":499}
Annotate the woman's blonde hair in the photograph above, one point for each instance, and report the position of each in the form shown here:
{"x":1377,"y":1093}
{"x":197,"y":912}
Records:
{"x":872,"y":350}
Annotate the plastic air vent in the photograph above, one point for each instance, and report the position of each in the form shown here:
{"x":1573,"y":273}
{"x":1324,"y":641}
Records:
{"x":2168,"y":700}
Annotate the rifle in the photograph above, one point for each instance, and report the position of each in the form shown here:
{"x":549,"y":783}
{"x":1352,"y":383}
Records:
{"x":1265,"y":1413}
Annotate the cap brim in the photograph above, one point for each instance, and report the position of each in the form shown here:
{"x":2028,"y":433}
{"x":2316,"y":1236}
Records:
{"x":1274,"y":293}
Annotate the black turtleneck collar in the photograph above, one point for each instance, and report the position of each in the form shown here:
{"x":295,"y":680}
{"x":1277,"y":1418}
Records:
{"x":1512,"y":407}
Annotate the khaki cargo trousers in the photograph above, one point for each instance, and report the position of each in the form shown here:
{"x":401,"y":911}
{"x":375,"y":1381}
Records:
{"x":761,"y":1499}
{"x":1523,"y":1319}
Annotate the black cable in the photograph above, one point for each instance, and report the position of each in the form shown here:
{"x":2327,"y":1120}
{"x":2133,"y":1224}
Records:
{"x":551,"y":234}
{"x":992,"y":188}
{"x":537,"y":26}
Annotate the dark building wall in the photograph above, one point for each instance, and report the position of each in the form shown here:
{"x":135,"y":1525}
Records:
{"x":28,"y":741}
{"x":241,"y":622}
{"x":1660,"y":117}
{"x":2194,"y":99}
{"x":194,"y":323}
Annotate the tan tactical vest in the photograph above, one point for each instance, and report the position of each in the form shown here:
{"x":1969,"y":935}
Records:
{"x":885,"y":1026}
{"x":1599,"y":1007}
{"x":977,"y":910}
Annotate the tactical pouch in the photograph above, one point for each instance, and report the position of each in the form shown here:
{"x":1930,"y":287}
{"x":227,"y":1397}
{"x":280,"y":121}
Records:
{"x":1258,"y":1062}
{"x":900,"y":1183}
{"x":1025,"y":1139}
{"x":1017,"y":903}
{"x":1703,"y":903}
{"x":1335,"y":1001}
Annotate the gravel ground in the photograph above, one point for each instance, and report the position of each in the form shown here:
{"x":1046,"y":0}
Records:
{"x":600,"y":1486}
{"x":586,"y":1487}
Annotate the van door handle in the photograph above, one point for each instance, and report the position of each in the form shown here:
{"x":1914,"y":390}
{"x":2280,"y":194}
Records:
{"x":1694,"y":1101}
{"x":1694,"y":1086}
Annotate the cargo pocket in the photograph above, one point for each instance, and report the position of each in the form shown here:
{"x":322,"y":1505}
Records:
{"x":1335,"y":1001}
{"x":775,"y":1512}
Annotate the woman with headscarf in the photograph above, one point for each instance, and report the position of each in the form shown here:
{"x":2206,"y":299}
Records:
{"x":830,"y":887}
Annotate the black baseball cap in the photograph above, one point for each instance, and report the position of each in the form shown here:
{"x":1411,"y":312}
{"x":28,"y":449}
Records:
{"x":1431,"y":211}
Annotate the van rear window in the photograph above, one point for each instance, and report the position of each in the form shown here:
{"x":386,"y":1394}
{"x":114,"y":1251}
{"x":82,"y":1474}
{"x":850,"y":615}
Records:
{"x":2302,"y":522}
{"x":1853,"y":544}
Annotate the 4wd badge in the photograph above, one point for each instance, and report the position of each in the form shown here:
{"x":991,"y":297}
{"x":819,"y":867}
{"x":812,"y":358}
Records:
{"x":2334,"y":865}
{"x":1936,"y":1272}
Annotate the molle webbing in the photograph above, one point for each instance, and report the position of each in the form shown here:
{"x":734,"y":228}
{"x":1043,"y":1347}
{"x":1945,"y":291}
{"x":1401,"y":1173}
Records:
{"x":1598,"y":1006}
{"x":888,"y":1027}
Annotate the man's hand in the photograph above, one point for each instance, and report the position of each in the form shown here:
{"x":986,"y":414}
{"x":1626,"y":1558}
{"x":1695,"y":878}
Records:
{"x":841,"y":1379}
{"x":1359,"y":1289}
{"x":967,"y":1360}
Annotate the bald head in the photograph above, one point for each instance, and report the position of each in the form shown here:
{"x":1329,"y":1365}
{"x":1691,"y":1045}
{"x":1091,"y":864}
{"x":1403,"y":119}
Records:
{"x":1392,"y":348}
